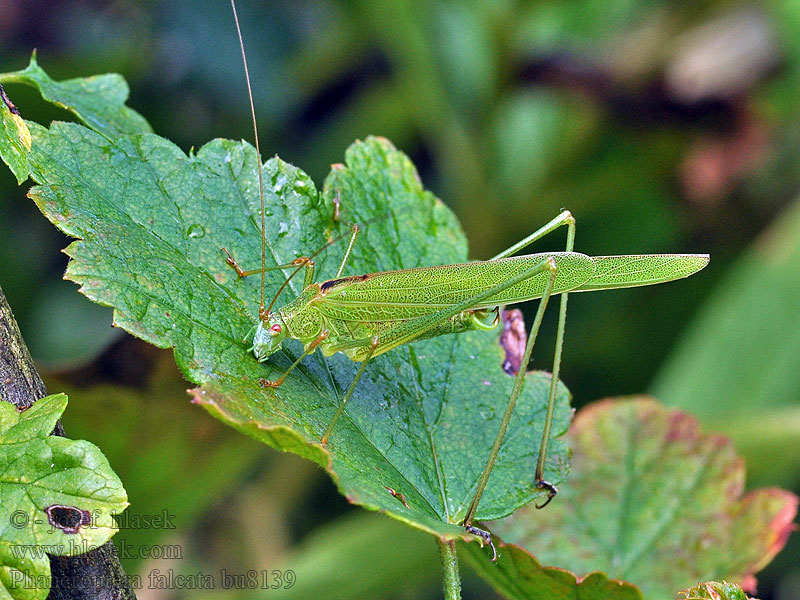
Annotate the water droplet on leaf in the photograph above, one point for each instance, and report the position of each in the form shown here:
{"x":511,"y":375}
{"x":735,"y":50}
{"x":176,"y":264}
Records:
{"x":279,"y":182}
{"x":196,"y":231}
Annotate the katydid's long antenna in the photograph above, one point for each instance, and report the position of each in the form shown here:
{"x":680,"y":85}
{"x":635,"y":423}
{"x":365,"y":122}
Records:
{"x":258,"y":153}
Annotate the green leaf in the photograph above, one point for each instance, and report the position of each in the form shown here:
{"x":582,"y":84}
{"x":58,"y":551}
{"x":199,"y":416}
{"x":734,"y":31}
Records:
{"x":519,"y":576}
{"x":151,"y":222}
{"x":655,"y":502}
{"x":22,"y":577}
{"x":56,"y":496}
{"x":98,"y":101}
{"x":15,"y":139}
{"x":715,"y":590}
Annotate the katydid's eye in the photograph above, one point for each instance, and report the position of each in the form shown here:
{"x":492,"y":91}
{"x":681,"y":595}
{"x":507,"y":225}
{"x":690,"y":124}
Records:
{"x":275,"y":329}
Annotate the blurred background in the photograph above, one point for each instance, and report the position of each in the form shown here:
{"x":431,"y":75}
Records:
{"x":663,"y":126}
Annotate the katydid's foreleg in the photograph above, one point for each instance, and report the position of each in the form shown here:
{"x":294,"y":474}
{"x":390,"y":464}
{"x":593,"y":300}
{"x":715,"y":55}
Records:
{"x":299,"y":261}
{"x":564,"y":218}
{"x":305,"y":261}
{"x":552,"y":269}
{"x":340,"y":410}
{"x":311,"y":347}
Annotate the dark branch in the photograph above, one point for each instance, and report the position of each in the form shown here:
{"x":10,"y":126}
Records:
{"x":96,"y":575}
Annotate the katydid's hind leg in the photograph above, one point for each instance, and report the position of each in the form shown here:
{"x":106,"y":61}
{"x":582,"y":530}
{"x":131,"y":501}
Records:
{"x":325,"y":436}
{"x":564,"y":218}
{"x":541,"y":483}
{"x":485,"y":536}
{"x":551,"y":491}
{"x":550,"y":266}
{"x":311,"y":347}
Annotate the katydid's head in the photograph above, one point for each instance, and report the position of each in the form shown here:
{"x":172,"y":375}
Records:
{"x":268,"y":337}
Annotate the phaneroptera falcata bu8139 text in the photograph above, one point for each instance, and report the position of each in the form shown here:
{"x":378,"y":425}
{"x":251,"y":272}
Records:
{"x":363,"y":316}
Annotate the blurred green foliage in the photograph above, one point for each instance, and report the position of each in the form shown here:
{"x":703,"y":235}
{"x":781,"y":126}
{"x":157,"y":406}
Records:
{"x":511,"y":110}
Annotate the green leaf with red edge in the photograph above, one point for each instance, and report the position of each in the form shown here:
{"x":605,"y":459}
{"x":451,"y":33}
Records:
{"x":653,"y":501}
{"x":150,"y":222}
{"x":519,"y":576}
{"x":714,"y":590}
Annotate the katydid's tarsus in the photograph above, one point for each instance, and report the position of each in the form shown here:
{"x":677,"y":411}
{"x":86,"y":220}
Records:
{"x":364,"y":316}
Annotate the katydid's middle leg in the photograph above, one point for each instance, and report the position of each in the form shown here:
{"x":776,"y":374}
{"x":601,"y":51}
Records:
{"x":348,"y":250}
{"x":304,"y":261}
{"x":565,"y":218}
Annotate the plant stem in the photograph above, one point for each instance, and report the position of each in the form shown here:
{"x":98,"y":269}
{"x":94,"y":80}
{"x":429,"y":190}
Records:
{"x":452,"y":578}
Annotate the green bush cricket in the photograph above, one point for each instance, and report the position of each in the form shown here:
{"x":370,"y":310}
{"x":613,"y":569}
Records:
{"x":366,"y":315}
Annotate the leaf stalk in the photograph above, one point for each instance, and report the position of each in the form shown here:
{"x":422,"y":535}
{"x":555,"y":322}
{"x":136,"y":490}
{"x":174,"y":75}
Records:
{"x":452,"y":578}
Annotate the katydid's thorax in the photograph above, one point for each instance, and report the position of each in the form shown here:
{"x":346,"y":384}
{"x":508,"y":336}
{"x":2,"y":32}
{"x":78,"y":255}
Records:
{"x":302,"y":318}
